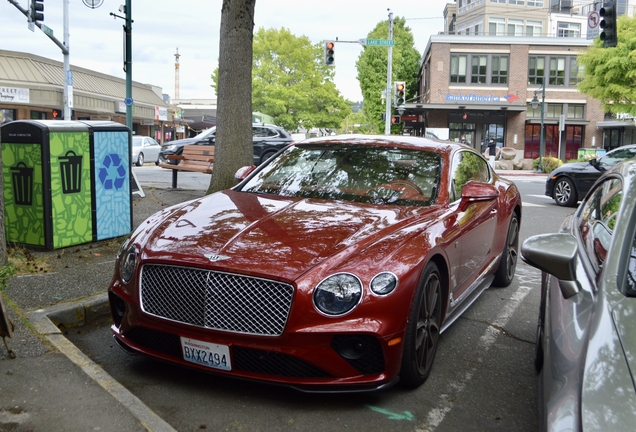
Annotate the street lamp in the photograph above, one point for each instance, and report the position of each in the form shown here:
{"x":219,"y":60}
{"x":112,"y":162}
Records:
{"x":535,"y":104}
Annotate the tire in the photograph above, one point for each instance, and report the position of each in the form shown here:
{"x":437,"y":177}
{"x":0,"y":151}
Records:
{"x":267,"y":155}
{"x":422,"y":333}
{"x":564,"y":192}
{"x":140,"y":159}
{"x":508,"y":261}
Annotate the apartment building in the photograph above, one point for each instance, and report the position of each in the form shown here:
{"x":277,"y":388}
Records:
{"x":479,"y":76}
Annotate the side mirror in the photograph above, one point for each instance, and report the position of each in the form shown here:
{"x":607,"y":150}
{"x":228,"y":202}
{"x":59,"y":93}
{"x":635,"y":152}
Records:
{"x":475,"y":191}
{"x":555,"y":254}
{"x":243,"y":172}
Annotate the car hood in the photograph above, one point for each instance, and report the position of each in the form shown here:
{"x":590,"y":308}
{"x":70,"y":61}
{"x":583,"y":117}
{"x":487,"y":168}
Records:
{"x":574,"y":167}
{"x":268,"y":235}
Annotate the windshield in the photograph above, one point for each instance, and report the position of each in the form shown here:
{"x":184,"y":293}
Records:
{"x":352,"y":173}
{"x":206,"y":133}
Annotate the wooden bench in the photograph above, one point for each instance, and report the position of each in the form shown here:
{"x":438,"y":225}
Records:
{"x":195,"y":158}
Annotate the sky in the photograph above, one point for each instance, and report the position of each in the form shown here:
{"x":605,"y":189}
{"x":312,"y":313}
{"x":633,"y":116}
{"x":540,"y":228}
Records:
{"x":96,"y":38}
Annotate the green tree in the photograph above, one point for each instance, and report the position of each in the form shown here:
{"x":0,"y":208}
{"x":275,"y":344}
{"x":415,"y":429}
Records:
{"x":372,"y":65}
{"x":291,"y":83}
{"x":610,"y":73}
{"x":234,"y":147}
{"x":356,"y":123}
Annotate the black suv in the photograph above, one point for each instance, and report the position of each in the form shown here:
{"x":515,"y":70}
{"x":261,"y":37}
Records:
{"x":268,"y":139}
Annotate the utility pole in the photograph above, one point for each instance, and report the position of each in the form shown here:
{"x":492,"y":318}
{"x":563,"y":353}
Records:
{"x":389,"y":72}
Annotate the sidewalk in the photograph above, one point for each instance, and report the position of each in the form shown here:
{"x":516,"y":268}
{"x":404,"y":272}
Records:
{"x":51,"y":385}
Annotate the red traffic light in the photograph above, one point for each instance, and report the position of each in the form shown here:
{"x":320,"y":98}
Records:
{"x":330,"y":45}
{"x":399,"y":87}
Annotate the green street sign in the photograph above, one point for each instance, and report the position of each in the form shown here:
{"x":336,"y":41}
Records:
{"x":377,"y":42}
{"x":47,"y":30}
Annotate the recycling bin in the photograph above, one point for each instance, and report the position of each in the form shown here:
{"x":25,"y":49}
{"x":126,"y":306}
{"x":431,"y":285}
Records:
{"x":65,"y":182}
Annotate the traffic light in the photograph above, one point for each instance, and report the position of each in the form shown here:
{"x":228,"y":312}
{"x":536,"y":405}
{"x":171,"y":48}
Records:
{"x":56,"y":114}
{"x":329,"y":53}
{"x":609,"y":34}
{"x":396,"y":119}
{"x":399,"y":93}
{"x":36,"y":10}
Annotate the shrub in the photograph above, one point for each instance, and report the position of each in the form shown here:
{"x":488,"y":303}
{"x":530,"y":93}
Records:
{"x":549,"y":163}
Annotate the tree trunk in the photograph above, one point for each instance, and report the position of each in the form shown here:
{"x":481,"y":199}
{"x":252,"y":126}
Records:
{"x":234,"y":147}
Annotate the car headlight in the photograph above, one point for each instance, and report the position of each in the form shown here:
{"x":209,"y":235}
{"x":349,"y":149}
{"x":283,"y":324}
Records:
{"x":127,"y":262}
{"x":168,"y":147}
{"x":384,"y":283}
{"x":338,"y":294}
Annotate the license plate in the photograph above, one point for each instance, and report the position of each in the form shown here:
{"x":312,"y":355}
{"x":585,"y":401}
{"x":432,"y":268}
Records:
{"x":207,"y":354}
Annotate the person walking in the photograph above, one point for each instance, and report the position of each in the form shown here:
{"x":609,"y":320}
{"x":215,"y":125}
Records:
{"x":492,"y":152}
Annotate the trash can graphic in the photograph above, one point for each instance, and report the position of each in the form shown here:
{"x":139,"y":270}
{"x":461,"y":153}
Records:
{"x":71,"y":172}
{"x":22,"y":179}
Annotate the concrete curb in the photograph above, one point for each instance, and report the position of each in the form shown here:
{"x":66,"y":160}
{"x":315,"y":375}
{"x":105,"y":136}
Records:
{"x":77,"y":313}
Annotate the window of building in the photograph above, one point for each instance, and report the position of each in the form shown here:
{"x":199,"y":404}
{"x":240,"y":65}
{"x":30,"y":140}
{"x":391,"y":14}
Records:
{"x":516,"y":2}
{"x":496,"y":26}
{"x":576,"y":72}
{"x":499,"y":73}
{"x":37,"y":115}
{"x":534,"y":28}
{"x":535,"y":3}
{"x":536,"y":70}
{"x":564,"y":71}
{"x":479,"y":65}
{"x":553,"y":110}
{"x":557,"y":71}
{"x":6,"y":116}
{"x":515,"y":27}
{"x":458,"y":69}
{"x":484,"y":69}
{"x":576,"y":111}
{"x":566,"y":29}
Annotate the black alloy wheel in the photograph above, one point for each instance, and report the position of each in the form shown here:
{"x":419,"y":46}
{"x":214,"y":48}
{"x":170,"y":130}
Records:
{"x":564,"y":192}
{"x":423,"y":331}
{"x":508,"y":261}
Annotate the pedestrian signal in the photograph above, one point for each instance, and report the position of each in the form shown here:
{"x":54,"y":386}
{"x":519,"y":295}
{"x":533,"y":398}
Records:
{"x":396,"y":119}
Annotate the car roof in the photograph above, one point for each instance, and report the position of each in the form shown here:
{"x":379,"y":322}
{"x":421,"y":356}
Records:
{"x":421,"y":143}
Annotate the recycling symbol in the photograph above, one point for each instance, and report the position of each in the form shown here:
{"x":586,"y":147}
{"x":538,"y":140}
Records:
{"x":112,"y":174}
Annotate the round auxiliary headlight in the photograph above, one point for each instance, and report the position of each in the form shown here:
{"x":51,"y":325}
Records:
{"x":338,"y":294}
{"x":127,"y":262}
{"x":384,"y":283}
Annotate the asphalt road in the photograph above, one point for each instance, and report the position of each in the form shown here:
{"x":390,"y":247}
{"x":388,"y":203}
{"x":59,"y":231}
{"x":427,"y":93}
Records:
{"x":483,"y":377}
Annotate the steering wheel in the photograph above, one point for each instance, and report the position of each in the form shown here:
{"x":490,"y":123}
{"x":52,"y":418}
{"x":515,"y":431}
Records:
{"x":406,"y":189}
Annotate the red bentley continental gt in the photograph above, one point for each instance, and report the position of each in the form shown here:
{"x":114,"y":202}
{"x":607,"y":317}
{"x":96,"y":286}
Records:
{"x":335,"y":266}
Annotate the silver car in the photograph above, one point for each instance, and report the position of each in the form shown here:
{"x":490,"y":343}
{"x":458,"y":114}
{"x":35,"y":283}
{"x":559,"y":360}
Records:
{"x":586,"y":333}
{"x":144,"y":148}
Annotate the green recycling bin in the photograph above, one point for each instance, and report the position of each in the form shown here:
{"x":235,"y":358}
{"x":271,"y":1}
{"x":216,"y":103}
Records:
{"x":65,"y":182}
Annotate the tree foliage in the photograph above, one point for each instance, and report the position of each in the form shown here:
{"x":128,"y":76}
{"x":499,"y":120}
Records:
{"x":234,"y":147}
{"x":372,"y":68}
{"x":610,"y":73}
{"x":291,"y":83}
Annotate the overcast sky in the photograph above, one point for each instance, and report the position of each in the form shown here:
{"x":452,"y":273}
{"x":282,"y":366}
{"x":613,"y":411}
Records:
{"x":192,"y":26}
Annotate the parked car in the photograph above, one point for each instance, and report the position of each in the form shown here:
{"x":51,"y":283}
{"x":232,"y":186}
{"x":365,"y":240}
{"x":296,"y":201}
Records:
{"x":144,"y":148}
{"x":569,"y":183}
{"x":585,"y":343}
{"x":268,"y":140}
{"x":332,"y":267}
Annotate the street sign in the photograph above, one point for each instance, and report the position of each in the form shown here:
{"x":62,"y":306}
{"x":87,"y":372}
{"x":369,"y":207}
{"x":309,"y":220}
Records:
{"x":128,"y":101}
{"x":47,"y":30}
{"x":377,"y":42}
{"x":593,"y":21}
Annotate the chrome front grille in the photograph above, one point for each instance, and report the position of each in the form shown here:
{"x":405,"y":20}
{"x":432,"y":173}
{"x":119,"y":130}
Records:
{"x":216,"y":300}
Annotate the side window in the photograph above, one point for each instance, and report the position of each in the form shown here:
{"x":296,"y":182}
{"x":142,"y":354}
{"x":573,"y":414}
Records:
{"x":597,"y":220}
{"x":467,"y":166}
{"x":271,"y":132}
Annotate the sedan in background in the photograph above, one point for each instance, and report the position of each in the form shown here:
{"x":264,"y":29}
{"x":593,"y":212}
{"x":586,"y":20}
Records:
{"x":334,"y":266}
{"x":586,"y":332}
{"x":569,"y":183}
{"x":144,"y":149}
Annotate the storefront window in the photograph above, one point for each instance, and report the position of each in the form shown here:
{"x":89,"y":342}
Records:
{"x":6,"y":116}
{"x":38,"y":115}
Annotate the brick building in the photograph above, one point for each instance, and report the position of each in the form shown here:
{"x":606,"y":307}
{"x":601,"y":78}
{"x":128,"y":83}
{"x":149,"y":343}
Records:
{"x":483,"y":86}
